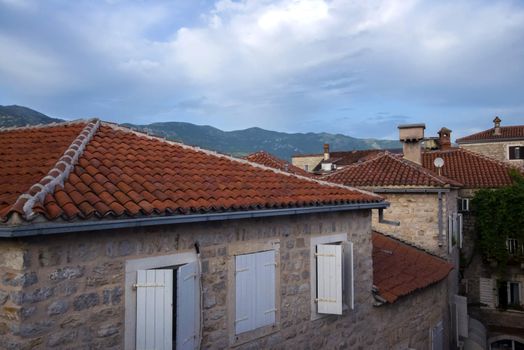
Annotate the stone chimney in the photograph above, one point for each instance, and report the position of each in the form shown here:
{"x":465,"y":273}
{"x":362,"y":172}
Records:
{"x":326,"y":151}
{"x":411,"y":136}
{"x":444,"y":139}
{"x":496,"y":129}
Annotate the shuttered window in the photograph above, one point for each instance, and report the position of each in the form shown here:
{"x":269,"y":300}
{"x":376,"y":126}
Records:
{"x":487,"y":288}
{"x":516,"y":152}
{"x":461,"y":229}
{"x":437,"y":337}
{"x":461,"y":316}
{"x":154,"y":322}
{"x":254,"y":291}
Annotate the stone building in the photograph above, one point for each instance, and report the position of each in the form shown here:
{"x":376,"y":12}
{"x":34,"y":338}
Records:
{"x":504,"y":143}
{"x":115,"y":239}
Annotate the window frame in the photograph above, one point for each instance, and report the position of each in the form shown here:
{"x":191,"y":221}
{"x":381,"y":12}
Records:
{"x":130,"y":295}
{"x":250,"y":247}
{"x":520,"y":152}
{"x":463,"y":201}
{"x":314,"y":241}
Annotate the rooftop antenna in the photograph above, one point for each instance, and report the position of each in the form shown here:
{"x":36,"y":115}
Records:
{"x":438,"y":163}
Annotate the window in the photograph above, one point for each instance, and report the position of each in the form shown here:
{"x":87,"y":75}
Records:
{"x":509,"y":294}
{"x":255,"y":291}
{"x":306,"y":167}
{"x":163,"y":302}
{"x":463,"y":204}
{"x":253,"y":296}
{"x":455,"y":228}
{"x":332,"y":284}
{"x":507,"y":344}
{"x":516,"y":152}
{"x":513,"y":246}
{"x":460,"y":319}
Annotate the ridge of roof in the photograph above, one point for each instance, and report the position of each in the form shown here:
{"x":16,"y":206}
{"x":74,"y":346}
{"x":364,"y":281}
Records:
{"x":41,"y":125}
{"x":475,"y":154}
{"x":60,"y":171}
{"x":239,"y":160}
{"x":278,"y":162}
{"x":405,"y":242}
{"x":488,"y":135}
{"x":419,"y":168}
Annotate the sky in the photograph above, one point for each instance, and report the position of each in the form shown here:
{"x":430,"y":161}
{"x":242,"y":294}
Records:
{"x":358,"y":68}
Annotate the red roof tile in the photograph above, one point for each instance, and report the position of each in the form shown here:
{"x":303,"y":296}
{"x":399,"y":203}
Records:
{"x":400,"y":269}
{"x":515,"y":132}
{"x":271,"y":161}
{"x":387,"y":169}
{"x":124,"y":173}
{"x":472,"y":169}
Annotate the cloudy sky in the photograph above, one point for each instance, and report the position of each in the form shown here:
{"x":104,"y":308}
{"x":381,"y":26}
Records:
{"x":341,"y":66}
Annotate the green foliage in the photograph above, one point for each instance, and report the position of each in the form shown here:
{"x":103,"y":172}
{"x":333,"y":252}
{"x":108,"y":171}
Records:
{"x":500,"y":215}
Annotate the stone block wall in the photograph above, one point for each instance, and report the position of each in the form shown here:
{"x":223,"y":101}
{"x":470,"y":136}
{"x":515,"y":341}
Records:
{"x":69,"y":290}
{"x":497,"y":150}
{"x":311,"y":162}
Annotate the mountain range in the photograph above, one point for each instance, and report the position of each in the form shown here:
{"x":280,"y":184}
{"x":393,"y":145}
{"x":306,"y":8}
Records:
{"x":237,"y":143}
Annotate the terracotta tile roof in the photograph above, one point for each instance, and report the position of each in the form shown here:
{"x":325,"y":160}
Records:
{"x":122,"y":173}
{"x":472,"y":169}
{"x":269,"y":160}
{"x":27,"y":155}
{"x":400,"y":269}
{"x":387,"y":169}
{"x":515,"y":132}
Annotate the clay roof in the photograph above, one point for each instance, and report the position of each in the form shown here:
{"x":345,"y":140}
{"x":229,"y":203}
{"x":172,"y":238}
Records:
{"x":343,"y":158}
{"x":400,"y":269}
{"x":515,"y":132}
{"x":387,"y":169}
{"x":269,"y":160}
{"x":97,"y":170}
{"x":472,"y":169}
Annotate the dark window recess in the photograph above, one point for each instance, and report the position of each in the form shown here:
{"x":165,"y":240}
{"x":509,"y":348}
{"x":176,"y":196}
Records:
{"x":516,"y":152}
{"x":503,"y":294}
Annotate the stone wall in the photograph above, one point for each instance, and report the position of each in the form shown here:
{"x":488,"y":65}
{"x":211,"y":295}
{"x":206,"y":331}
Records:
{"x":497,"y":150}
{"x":418,"y":216}
{"x":311,"y":162}
{"x":69,"y":290}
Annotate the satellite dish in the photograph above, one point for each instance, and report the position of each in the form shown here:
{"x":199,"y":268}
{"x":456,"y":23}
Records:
{"x":438,"y":162}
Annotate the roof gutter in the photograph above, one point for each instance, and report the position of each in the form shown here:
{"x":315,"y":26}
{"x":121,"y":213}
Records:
{"x":56,"y":228}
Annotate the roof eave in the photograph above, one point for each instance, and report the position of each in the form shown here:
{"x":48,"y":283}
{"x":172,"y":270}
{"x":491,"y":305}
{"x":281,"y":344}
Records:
{"x":73,"y":227}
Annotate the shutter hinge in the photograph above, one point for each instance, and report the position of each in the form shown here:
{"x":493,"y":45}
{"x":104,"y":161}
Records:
{"x":325,"y":300}
{"x":193,"y":275}
{"x":320,"y":254}
{"x":241,"y":319}
{"x":271,"y":264}
{"x":270,"y":311}
{"x":242,"y":270}
{"x":147,"y":285}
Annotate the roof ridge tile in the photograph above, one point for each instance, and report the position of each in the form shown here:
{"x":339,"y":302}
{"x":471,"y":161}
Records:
{"x":41,"y":125}
{"x":55,"y":176}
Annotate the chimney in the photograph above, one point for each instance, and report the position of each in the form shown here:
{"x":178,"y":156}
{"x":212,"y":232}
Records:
{"x":411,"y":136}
{"x":326,"y":151}
{"x":444,"y":138}
{"x":496,"y":129}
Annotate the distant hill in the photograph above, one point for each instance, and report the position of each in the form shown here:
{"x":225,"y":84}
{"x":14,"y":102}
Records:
{"x":237,"y":143}
{"x":21,"y":116}
{"x":243,"y":142}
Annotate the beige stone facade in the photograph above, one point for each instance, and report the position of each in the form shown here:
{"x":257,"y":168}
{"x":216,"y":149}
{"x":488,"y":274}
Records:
{"x":69,"y":291}
{"x":307,"y":163}
{"x":496,"y":150}
{"x":418,"y":214}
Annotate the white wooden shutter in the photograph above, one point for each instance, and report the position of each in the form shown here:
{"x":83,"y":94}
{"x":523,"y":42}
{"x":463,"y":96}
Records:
{"x":329,"y":279}
{"x":349,"y":282}
{"x":437,"y":337}
{"x":188,"y":307}
{"x":487,"y":285}
{"x":265,"y":308}
{"x":450,"y":233}
{"x":154,"y":317}
{"x":255,"y":290}
{"x":460,"y":230}
{"x":461,"y":314}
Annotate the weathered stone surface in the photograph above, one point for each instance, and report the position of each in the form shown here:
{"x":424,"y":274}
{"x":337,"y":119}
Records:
{"x":19,"y":279}
{"x":86,"y":301}
{"x":57,"y":307}
{"x":107,"y":330}
{"x":62,"y":338}
{"x":66,"y":273}
{"x":3,"y":297}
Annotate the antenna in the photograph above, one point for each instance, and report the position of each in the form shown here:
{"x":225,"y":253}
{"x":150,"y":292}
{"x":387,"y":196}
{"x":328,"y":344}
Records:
{"x":438,"y":163}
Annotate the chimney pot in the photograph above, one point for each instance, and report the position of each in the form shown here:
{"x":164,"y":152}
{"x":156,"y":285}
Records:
{"x":444,"y":138}
{"x":326,"y":151}
{"x":411,"y":136}
{"x":496,"y":129}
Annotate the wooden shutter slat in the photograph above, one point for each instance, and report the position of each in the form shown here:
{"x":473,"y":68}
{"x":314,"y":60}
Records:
{"x":486,"y":292}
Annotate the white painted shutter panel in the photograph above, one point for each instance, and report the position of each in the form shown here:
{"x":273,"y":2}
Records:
{"x":329,"y":279}
{"x":450,"y":233}
{"x":460,"y":229}
{"x":154,"y":318}
{"x":244,"y":293}
{"x":462,"y":318}
{"x":487,"y":296}
{"x":265,"y":308}
{"x":437,"y":337}
{"x":188,"y":307}
{"x":349,"y":282}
